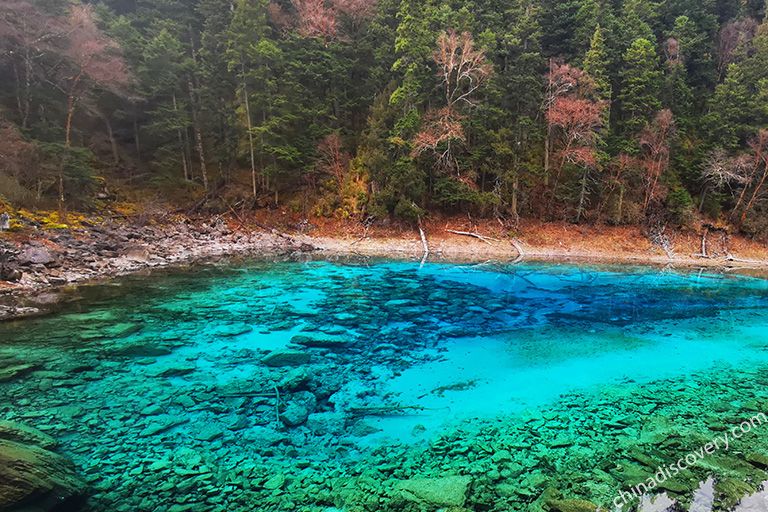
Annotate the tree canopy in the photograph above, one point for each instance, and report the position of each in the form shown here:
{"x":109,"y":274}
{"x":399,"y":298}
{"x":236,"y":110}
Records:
{"x":578,"y":110}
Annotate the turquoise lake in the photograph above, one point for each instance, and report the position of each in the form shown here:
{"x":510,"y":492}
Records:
{"x":383,"y":385}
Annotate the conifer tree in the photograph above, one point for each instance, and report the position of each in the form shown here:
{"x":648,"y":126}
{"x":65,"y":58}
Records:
{"x":640,"y":86}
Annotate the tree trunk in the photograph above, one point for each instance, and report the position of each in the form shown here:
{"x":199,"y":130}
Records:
{"x":63,"y":164}
{"x":620,"y":206}
{"x":182,"y":145}
{"x":754,"y":196}
{"x":515,"y":188}
{"x":136,"y":139}
{"x":249,"y":126}
{"x":582,"y":196}
{"x":198,"y":135}
{"x":112,"y":141}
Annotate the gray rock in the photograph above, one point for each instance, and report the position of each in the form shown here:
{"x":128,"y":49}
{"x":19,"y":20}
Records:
{"x":5,"y":222}
{"x":137,"y":254}
{"x":10,"y":273}
{"x":35,"y":255}
{"x":286,"y":358}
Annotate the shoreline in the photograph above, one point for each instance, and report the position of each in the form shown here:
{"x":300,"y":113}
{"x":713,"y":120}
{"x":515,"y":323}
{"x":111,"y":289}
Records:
{"x":76,"y":260}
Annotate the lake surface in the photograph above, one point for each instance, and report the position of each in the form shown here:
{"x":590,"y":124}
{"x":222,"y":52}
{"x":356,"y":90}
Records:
{"x":319,"y":386}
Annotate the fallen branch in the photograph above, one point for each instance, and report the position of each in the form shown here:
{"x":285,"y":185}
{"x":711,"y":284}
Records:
{"x":384,"y":411}
{"x":485,"y":239}
{"x":734,"y":259}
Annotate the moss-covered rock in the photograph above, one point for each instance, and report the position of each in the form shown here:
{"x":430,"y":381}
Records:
{"x":33,"y":478}
{"x":571,"y":506}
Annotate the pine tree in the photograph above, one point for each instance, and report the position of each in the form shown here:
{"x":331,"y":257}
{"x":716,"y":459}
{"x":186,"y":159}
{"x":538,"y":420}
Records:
{"x":596,"y":65}
{"x":731,"y":114}
{"x":640,"y":86}
{"x":637,"y":21}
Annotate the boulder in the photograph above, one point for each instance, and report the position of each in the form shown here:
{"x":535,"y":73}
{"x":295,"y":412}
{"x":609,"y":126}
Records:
{"x":35,"y":255}
{"x":10,"y":273}
{"x":137,"y":254}
{"x":33,"y":478}
{"x":285,"y":358}
{"x":448,"y":491}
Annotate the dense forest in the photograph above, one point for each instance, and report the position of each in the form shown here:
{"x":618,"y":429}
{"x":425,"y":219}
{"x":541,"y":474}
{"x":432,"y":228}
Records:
{"x":606,"y":111}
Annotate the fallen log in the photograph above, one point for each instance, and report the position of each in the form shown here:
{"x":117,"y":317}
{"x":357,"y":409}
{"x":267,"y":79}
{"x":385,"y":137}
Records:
{"x":485,"y":239}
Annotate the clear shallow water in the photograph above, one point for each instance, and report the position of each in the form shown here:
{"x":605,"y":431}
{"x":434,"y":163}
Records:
{"x":526,"y":379}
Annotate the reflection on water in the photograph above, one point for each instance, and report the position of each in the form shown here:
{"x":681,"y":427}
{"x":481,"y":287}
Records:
{"x":390,"y":386}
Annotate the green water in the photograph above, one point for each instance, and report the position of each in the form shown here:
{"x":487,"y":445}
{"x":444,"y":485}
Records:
{"x":535,"y":382}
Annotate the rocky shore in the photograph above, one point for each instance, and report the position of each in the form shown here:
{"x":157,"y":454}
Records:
{"x":33,"y":267}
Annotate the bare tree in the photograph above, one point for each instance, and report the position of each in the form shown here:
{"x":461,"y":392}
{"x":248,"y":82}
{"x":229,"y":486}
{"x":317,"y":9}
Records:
{"x":734,"y":36}
{"x":462,"y":70}
{"x":91,"y":61}
{"x":654,"y":142}
{"x":759,"y":174}
{"x":333,"y":160}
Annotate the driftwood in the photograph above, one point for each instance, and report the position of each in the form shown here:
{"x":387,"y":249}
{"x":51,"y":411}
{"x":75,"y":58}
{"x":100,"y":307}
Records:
{"x":485,"y":239}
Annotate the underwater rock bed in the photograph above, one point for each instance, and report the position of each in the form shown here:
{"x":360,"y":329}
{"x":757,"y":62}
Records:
{"x":316,"y":386}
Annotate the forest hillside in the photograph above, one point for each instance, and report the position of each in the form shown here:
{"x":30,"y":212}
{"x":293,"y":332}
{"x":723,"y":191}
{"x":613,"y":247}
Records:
{"x":622,"y":112}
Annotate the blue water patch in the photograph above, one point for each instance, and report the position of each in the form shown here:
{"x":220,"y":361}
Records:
{"x":318,"y":385}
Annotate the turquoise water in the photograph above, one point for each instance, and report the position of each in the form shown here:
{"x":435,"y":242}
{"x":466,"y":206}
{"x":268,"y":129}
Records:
{"x":534,"y":382}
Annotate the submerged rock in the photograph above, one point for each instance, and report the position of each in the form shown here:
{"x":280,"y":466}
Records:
{"x":20,"y":433}
{"x":572,"y":506}
{"x":298,"y":410}
{"x":285,"y":358}
{"x":33,"y":478}
{"x":449,"y":491}
{"x":14,"y":371}
{"x":315,"y":342}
